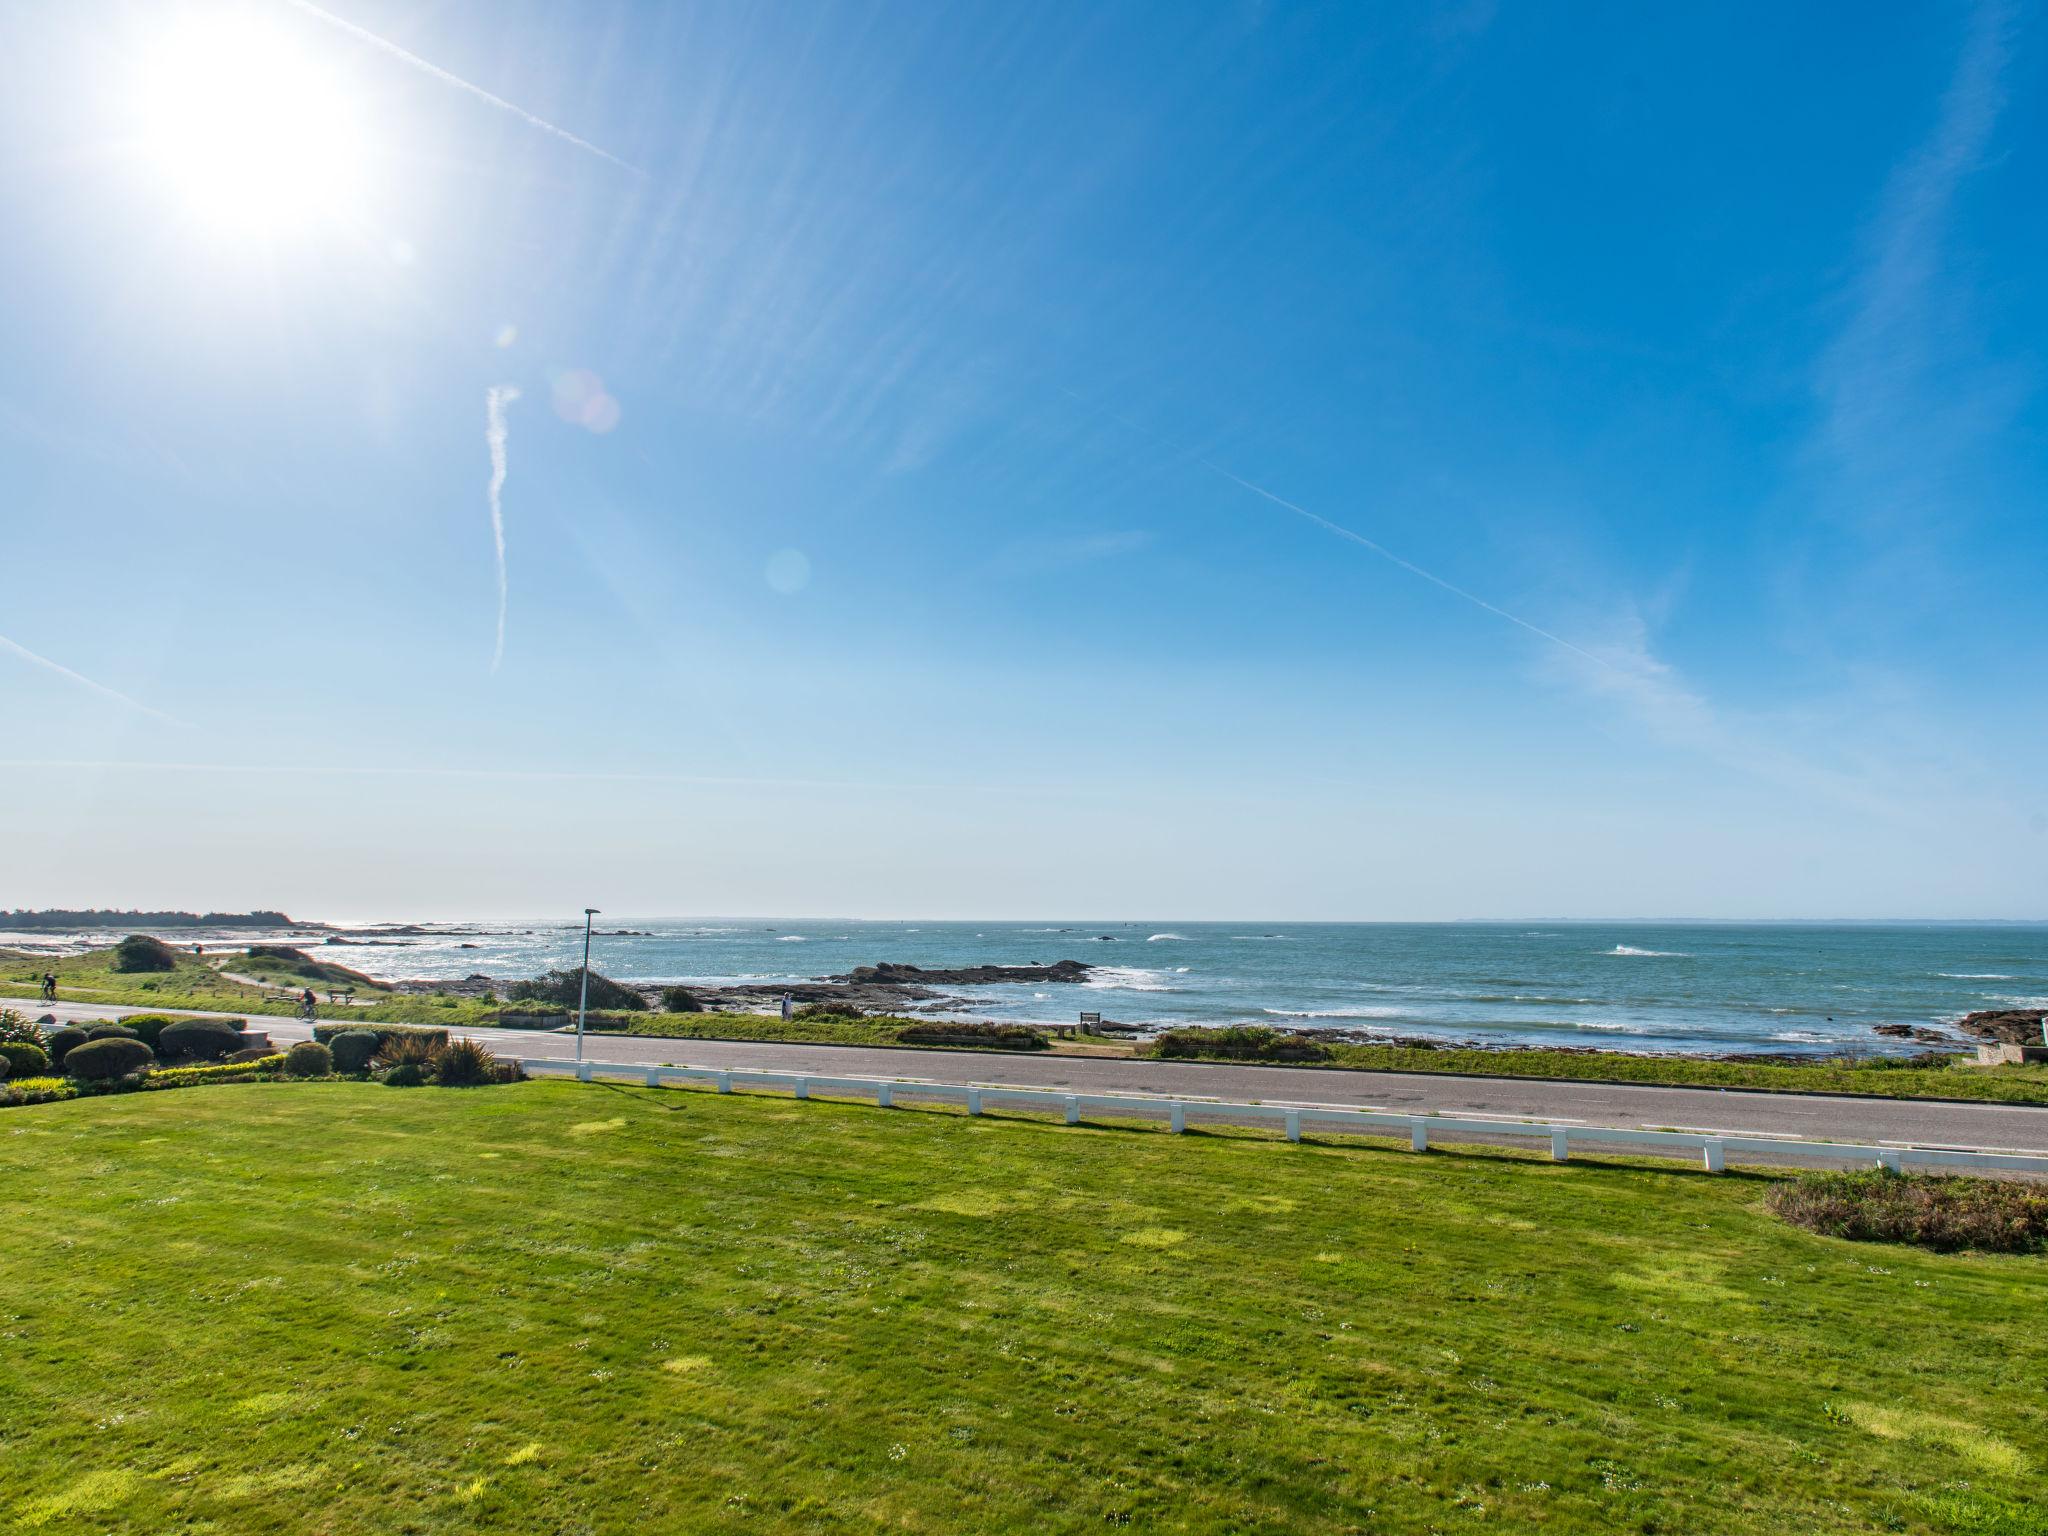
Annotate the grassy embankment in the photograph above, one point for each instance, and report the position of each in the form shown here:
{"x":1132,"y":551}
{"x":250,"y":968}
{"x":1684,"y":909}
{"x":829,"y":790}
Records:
{"x":196,"y":983}
{"x":559,"y":1307}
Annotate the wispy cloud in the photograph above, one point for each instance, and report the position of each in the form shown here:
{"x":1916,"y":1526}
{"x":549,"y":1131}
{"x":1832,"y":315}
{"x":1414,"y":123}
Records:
{"x":496,"y":398}
{"x":1900,"y":391}
{"x":16,"y":648}
{"x":384,"y":45}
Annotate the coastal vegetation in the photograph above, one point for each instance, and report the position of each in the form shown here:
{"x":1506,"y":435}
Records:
{"x":1943,"y":1213}
{"x":201,"y":982}
{"x":596,"y":1307}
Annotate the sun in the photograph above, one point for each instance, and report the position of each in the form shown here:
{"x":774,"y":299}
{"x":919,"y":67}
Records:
{"x":252,"y":132}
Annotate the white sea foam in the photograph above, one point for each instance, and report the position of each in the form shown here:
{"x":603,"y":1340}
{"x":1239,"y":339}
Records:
{"x":2022,"y":1002}
{"x":1127,"y":978}
{"x":1976,"y":976}
{"x":1647,"y":954}
{"x":1334,"y":1013}
{"x":790,"y":938}
{"x":1178,"y":938}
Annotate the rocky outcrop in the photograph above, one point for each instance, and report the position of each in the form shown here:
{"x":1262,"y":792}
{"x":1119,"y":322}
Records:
{"x":890,"y":974}
{"x":1919,"y":1033}
{"x":2006,"y":1026}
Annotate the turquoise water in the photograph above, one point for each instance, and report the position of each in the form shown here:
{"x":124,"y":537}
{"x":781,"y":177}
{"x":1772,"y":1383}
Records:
{"x":1795,"y":988}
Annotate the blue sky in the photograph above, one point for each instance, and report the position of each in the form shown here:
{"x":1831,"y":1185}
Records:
{"x":913,"y":405}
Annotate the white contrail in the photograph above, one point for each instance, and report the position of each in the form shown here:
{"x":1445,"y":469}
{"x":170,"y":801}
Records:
{"x":82,"y":680}
{"x":1407,"y":565}
{"x":386,"y":46}
{"x":496,"y":398}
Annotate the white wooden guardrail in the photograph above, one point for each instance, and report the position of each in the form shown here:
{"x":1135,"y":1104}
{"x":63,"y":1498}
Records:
{"x":1714,"y":1149}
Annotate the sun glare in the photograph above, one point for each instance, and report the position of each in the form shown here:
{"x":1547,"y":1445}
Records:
{"x":254,"y":134}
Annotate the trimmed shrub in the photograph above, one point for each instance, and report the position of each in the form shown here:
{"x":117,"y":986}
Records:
{"x":149,"y":1027}
{"x":59,"y":1041}
{"x":1945,"y":1213}
{"x":463,"y":1064}
{"x":1006,"y":1037}
{"x":352,"y":1050}
{"x":564,"y":988}
{"x":6,"y":1069}
{"x":23,"y":1059}
{"x":102,"y":1061}
{"x":140,"y":952}
{"x":309,"y":1058}
{"x":679,"y":1000}
{"x":244,"y":1056}
{"x":198,"y":1040}
{"x":113,"y":1032}
{"x":406,"y":1075}
{"x":385,"y":1033}
{"x":1239,"y":1042}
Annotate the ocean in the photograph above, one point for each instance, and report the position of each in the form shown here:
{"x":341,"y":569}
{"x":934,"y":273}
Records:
{"x":1795,"y":988}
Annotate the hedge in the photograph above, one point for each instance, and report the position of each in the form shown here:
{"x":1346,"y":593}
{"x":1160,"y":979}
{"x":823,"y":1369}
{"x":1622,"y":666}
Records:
{"x":199,"y":1039}
{"x":149,"y":1025}
{"x":353,"y":1048}
{"x":60,"y":1042}
{"x":386,"y":1033}
{"x":99,"y":1061}
{"x":23,"y":1059}
{"x":309,"y":1058}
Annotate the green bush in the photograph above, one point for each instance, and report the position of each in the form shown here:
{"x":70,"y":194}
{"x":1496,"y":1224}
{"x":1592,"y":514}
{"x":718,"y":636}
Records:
{"x":6,"y":1069}
{"x":140,"y":952}
{"x":1929,"y":1210}
{"x":16,"y":1026}
{"x":198,"y":1040}
{"x":679,"y":1000}
{"x":386,"y":1033}
{"x":149,"y":1027}
{"x":1239,"y":1042}
{"x":102,"y":1061}
{"x":463,"y":1064}
{"x":352,"y":1049}
{"x":113,"y":1032}
{"x":829,"y":1011}
{"x":1005,"y":1037}
{"x":408,"y":1074}
{"x":309,"y":1058}
{"x":60,"y":1041}
{"x":564,"y":988}
{"x":23,"y":1059}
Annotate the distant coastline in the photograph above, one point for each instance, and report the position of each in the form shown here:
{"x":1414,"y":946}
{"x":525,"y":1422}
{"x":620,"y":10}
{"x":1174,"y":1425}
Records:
{"x":61,"y":919}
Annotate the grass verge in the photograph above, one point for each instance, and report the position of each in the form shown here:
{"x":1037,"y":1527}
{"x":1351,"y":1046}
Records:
{"x":588,"y":1307}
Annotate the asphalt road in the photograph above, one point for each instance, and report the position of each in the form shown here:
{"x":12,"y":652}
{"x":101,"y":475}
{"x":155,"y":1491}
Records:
{"x":1631,"y":1106}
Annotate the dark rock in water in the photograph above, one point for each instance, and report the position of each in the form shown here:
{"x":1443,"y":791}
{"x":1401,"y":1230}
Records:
{"x":889,"y":973}
{"x":2006,"y":1026}
{"x":1919,"y":1033}
{"x":1105,"y":938}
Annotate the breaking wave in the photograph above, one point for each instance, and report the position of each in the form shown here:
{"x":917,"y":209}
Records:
{"x":1647,"y":954}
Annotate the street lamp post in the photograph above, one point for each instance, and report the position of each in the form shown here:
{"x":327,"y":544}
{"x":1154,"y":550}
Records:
{"x":583,"y":997}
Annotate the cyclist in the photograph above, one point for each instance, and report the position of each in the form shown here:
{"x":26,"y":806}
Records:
{"x":49,"y":986}
{"x":306,"y":1005}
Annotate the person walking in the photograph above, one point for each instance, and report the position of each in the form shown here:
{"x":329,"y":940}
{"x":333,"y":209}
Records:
{"x":785,"y":1007}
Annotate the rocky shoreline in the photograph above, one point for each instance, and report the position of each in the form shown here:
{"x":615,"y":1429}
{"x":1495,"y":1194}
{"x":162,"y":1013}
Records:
{"x":890,"y":987}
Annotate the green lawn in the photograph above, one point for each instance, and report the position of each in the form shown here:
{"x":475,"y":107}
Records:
{"x":559,"y":1307}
